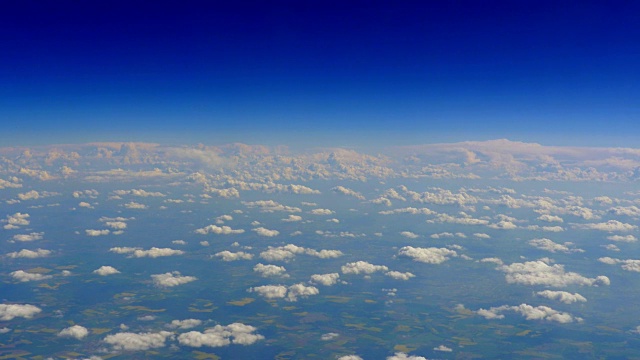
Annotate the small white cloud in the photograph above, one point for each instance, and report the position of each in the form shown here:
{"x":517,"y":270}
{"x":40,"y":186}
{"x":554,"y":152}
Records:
{"x":231,"y":256}
{"x":442,"y":348}
{"x":325,"y":279}
{"x":97,"y":232}
{"x":24,"y":276}
{"x":399,"y":275}
{"x":30,"y":254}
{"x":135,"y":205}
{"x":76,"y":331}
{"x":362,"y":267}
{"x":171,"y":279}
{"x":185,"y":324}
{"x":11,"y":311}
{"x":266,"y":232}
{"x":430,"y":255}
{"x":293,"y":218}
{"x":270,"y":270}
{"x":321,"y":212}
{"x":329,"y":336}
{"x":218,"y":336}
{"x":106,"y":270}
{"x":409,"y":234}
{"x":137,"y":342}
{"x":563,"y":296}
{"x":214,"y":229}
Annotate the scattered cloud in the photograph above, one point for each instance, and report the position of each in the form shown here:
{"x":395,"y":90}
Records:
{"x":171,"y":279}
{"x":106,"y":270}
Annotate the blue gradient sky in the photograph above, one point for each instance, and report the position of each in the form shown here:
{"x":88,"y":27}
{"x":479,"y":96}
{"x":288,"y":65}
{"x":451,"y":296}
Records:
{"x":310,"y":72}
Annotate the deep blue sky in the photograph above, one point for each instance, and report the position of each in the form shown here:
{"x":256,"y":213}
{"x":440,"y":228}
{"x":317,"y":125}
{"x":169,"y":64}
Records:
{"x":341,"y":72}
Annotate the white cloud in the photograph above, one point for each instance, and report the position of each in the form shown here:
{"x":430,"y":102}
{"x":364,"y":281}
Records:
{"x":270,"y":270}
{"x":171,"y":279}
{"x":266,"y":232}
{"x":28,"y":237}
{"x":623,"y":238}
{"x":135,"y":205}
{"x":329,"y":336}
{"x":442,"y":348}
{"x":179,"y":242}
{"x":563,"y":296}
{"x":409,"y":234}
{"x":106,"y":270}
{"x":85,"y":205}
{"x":233,"y":256}
{"x":548,"y":245}
{"x":400,"y":275}
{"x":270,"y":206}
{"x":116,"y":225}
{"x":403,"y":356}
{"x":24,"y":253}
{"x":97,"y":232}
{"x":137,"y":342}
{"x":214,"y":229}
{"x":16,"y":220}
{"x":321,"y":212}
{"x":76,"y":331}
{"x":529,"y":312}
{"x":632,"y":211}
{"x":482,"y":236}
{"x":362,"y":267}
{"x":346,"y":191}
{"x":154,"y":252}
{"x":550,"y":218}
{"x":325,"y":279}
{"x":540,"y":273}
{"x":236,"y":333}
{"x":350,"y":357}
{"x":293,"y":218}
{"x":290,"y":293}
{"x":185,"y":324}
{"x":11,"y":311}
{"x":24,"y":276}
{"x":430,"y":255}
{"x":610,"y":226}
{"x":408,"y":210}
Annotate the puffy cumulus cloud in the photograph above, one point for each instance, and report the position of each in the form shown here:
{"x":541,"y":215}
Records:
{"x":135,"y":205}
{"x":550,"y":218}
{"x":529,"y":312}
{"x":154,"y":252}
{"x":128,"y":341}
{"x":632,"y":211}
{"x":463,"y":219}
{"x":13,"y":182}
{"x":30,"y":254}
{"x":430,"y":255}
{"x":563,"y":296}
{"x":236,"y":333}
{"x":287,"y":252}
{"x":623,"y":238}
{"x":222,"y":218}
{"x":116,"y":225}
{"x":85,"y":205}
{"x":291,"y":293}
{"x":404,"y":356}
{"x":106,"y":270}
{"x":91,"y":232}
{"x":270,"y":206}
{"x":138,"y":192}
{"x":171,"y":279}
{"x":179,"y":242}
{"x":270,"y":291}
{"x":227,"y":193}
{"x":493,"y":260}
{"x":442,"y":235}
{"x":362,"y":267}
{"x":329,"y":336}
{"x":266,"y":232}
{"x":270,"y":270}
{"x":34,"y":195}
{"x":609,"y":226}
{"x":76,"y":331}
{"x":409,"y":234}
{"x":350,"y":357}
{"x":321,"y":212}
{"x":540,"y":273}
{"x":325,"y":279}
{"x":346,"y":191}
{"x":300,"y":290}
{"x":442,"y":348}
{"x":503,"y":225}
{"x":4,"y":330}
{"x":482,"y":236}
{"x":548,"y":245}
{"x":24,"y":276}
{"x":545,"y":228}
{"x":220,"y":230}
{"x":293,"y":218}
{"x":400,"y":275}
{"x":185,"y":324}
{"x":86,"y":193}
{"x":11,"y":311}
{"x":16,"y":220}
{"x":628,"y":265}
{"x":408,"y":210}
{"x":233,"y":256}
{"x":611,"y":247}
{"x":28,"y":237}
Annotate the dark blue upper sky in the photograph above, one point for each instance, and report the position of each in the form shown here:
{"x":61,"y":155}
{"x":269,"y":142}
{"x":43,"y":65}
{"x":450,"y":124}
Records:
{"x":335,"y":72}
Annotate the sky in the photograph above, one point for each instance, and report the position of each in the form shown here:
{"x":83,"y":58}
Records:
{"x":340,"y":73}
